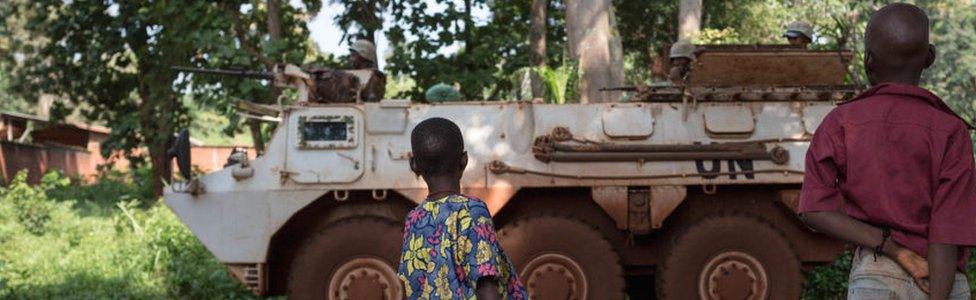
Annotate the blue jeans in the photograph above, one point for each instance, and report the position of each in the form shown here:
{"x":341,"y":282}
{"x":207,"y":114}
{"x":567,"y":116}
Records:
{"x":885,"y":279}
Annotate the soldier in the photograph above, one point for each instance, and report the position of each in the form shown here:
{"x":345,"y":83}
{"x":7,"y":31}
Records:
{"x":799,"y":33}
{"x":682,"y":54}
{"x":362,"y":56}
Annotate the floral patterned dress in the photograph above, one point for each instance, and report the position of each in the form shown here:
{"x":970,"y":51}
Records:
{"x":448,"y":244}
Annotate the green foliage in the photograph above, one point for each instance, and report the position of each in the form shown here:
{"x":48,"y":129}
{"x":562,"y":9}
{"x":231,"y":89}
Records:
{"x":560,"y":82}
{"x":489,"y":50}
{"x":361,"y":18}
{"x":112,"y":59}
{"x":33,"y":212}
{"x":398,"y":85}
{"x":8,"y":101}
{"x":136,"y":249}
{"x":954,"y":36}
{"x":828,"y":281}
{"x":212,"y":126}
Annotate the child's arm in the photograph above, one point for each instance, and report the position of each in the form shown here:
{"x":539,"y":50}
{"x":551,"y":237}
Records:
{"x":851,"y":230}
{"x":488,"y":289}
{"x":942,"y":264}
{"x":953,"y":212}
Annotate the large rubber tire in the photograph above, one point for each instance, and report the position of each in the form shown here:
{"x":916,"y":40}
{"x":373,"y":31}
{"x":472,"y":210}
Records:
{"x":353,"y":258}
{"x":562,"y":258}
{"x":730,"y":256}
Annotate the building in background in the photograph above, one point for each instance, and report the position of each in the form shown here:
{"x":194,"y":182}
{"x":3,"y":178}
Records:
{"x":35,"y":144}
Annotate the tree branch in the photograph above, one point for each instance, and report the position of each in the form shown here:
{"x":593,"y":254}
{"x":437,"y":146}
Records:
{"x":239,"y":31}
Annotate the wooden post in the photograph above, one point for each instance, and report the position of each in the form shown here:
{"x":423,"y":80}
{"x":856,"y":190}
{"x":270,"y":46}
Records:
{"x":591,"y":41}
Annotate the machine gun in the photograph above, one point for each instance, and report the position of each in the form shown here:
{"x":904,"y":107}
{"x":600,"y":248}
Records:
{"x":227,"y":72}
{"x":316,"y":85}
{"x":283,"y":76}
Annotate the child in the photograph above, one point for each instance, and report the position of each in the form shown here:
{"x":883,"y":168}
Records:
{"x":449,"y":245}
{"x":899,"y":163}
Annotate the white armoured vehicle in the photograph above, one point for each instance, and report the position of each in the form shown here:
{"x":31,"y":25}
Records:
{"x":693,"y":186}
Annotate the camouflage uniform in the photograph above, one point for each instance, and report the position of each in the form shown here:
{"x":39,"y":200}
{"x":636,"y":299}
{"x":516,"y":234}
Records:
{"x":682,"y":49}
{"x":375,"y":87}
{"x":333,"y":86}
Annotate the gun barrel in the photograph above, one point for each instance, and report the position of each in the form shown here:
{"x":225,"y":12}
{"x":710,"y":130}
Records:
{"x":619,"y":88}
{"x":222,"y":72}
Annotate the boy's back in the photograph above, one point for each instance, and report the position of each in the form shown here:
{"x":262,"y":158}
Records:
{"x":892,"y":147}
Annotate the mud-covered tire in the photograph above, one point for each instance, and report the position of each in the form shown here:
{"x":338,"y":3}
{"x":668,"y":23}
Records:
{"x":560,"y":257}
{"x":353,"y":258}
{"x":730,"y":256}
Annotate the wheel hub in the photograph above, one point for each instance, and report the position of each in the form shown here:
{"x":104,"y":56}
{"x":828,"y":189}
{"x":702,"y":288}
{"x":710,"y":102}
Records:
{"x":364,"y":278}
{"x":554,"y":276}
{"x":733,"y":275}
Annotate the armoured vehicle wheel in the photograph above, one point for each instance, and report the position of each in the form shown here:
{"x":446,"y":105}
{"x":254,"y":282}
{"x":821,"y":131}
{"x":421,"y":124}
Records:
{"x":563,"y":258}
{"x":730,"y":257}
{"x":350,"y":259}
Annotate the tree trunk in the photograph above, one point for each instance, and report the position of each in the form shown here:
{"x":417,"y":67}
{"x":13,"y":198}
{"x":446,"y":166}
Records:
{"x":162,"y":167}
{"x":255,"y":127}
{"x":537,"y":44}
{"x":590,"y":34}
{"x":274,"y":34}
{"x":157,"y":133}
{"x":689,"y":18}
{"x":468,"y":25}
{"x":274,"y":20}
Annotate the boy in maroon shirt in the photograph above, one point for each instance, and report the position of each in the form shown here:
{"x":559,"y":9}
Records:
{"x":891,"y":171}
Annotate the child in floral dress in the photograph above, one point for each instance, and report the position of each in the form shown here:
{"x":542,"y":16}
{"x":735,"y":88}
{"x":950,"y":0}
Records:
{"x":449,"y":245}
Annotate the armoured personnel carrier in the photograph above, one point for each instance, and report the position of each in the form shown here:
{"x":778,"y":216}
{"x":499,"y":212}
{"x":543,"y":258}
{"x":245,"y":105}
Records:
{"x":693,"y":185}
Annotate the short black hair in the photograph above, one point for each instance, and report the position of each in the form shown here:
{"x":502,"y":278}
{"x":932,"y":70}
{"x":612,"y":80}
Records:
{"x":437,"y":146}
{"x":897,"y":35}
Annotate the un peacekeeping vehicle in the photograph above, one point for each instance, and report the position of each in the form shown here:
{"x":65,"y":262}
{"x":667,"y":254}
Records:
{"x":687,"y":190}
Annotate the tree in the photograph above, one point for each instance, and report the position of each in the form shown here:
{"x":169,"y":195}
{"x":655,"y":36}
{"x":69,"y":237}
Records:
{"x":112,"y":59}
{"x":361,"y":18}
{"x":537,"y":44}
{"x":689,"y":18}
{"x":488,"y":52}
{"x":591,"y":41}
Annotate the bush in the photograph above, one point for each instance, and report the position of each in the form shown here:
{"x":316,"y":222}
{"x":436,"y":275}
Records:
{"x":27,"y":204}
{"x":61,"y":239}
{"x":829,"y":281}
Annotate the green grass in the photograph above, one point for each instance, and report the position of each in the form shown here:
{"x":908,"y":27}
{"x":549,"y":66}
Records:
{"x":102,"y":241}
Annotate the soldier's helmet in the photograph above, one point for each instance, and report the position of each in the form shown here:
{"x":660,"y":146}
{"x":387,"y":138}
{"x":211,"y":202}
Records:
{"x":799,"y":29}
{"x":682,"y":48}
{"x":442,"y":92}
{"x":364,"y":48}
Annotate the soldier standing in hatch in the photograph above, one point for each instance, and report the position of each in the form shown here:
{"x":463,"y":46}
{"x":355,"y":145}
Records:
{"x":799,"y":34}
{"x":681,"y":56}
{"x":362,"y":56}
